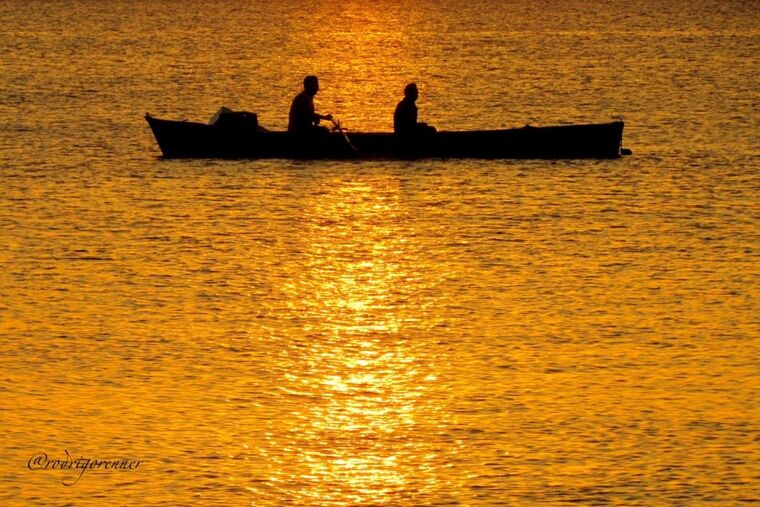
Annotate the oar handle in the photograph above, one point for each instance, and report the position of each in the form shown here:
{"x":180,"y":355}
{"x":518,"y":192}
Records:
{"x":338,"y":128}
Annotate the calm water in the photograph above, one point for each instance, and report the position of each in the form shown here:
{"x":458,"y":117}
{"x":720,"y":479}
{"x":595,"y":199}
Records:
{"x":432,"y":333}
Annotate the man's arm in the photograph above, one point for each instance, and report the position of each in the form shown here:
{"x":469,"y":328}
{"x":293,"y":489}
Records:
{"x":318,"y":117}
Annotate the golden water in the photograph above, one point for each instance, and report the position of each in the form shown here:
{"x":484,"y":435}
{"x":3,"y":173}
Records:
{"x":387,"y":333}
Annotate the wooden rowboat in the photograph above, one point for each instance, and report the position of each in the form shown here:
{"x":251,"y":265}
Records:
{"x":239,"y":136}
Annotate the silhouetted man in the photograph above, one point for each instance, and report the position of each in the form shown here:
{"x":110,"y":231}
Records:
{"x":405,"y":123}
{"x":303,"y":119}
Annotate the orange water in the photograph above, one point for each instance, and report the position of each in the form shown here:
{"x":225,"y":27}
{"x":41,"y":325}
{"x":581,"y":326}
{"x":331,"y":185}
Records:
{"x":388,"y":333}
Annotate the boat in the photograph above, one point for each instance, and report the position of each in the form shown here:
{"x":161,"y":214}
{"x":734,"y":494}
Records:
{"x":238,"y":135}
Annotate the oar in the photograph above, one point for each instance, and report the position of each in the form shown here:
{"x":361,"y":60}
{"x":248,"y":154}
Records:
{"x":337,"y":127}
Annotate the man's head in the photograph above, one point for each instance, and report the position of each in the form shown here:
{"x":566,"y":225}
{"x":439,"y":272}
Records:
{"x":410,"y":91}
{"x":311,"y":85}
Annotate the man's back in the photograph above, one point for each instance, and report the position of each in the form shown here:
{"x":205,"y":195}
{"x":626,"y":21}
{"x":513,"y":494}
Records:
{"x":301,"y":117}
{"x":405,"y":117}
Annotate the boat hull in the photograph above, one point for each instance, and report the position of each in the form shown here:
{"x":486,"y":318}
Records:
{"x":183,"y":139}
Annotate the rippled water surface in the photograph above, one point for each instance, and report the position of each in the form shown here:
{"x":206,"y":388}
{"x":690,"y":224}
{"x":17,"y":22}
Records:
{"x":436,"y":332}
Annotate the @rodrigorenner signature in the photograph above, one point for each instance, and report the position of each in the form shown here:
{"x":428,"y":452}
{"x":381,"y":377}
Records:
{"x":41,"y":461}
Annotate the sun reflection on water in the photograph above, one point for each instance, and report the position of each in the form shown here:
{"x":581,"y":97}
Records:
{"x":358,"y":383}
